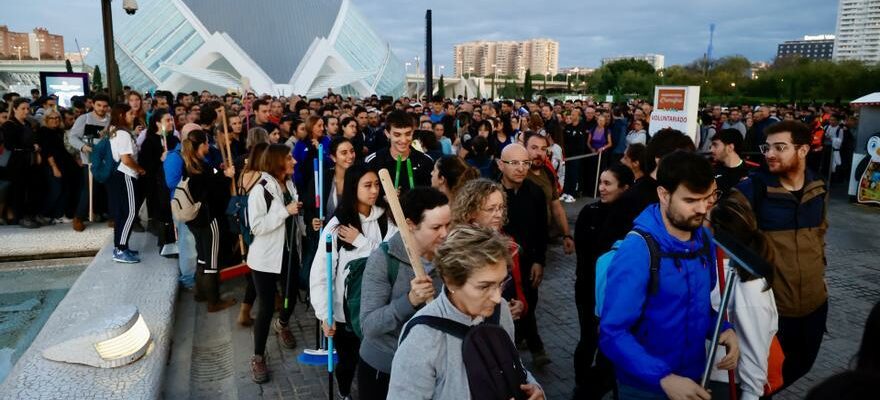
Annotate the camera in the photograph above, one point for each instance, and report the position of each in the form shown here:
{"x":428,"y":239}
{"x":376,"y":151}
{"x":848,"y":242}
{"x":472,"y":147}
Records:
{"x":130,"y":6}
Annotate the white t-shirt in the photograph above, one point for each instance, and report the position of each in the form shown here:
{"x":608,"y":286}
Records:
{"x":120,"y":144}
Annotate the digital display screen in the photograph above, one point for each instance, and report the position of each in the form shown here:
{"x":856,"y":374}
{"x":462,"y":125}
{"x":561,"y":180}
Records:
{"x":64,"y":86}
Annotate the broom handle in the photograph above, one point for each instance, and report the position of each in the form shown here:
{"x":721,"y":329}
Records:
{"x":400,"y":220}
{"x":731,"y":374}
{"x":329,"y":250}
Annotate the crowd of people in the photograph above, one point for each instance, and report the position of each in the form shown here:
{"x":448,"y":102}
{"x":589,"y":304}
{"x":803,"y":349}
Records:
{"x":233,"y":179}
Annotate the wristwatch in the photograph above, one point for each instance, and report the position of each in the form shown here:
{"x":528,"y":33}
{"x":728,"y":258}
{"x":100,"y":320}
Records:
{"x":567,"y":237}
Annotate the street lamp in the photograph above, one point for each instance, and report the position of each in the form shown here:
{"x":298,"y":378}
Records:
{"x":406,"y":66}
{"x":130,"y":7}
{"x":470,"y":72}
{"x":418,"y":65}
{"x":19,"y":48}
{"x":442,"y":67}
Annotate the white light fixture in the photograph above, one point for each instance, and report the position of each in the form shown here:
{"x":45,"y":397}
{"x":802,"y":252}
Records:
{"x":118,"y":338}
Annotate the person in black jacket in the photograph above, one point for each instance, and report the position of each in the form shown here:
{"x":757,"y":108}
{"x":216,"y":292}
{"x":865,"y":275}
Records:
{"x":592,"y":238}
{"x":59,"y":168}
{"x":209,"y":187}
{"x":527,"y":224}
{"x":158,"y":140}
{"x":399,"y":129}
{"x":17,"y":137}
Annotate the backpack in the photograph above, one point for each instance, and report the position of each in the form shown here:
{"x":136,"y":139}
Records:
{"x":604,"y":262}
{"x":491,"y":361}
{"x":184,"y":208}
{"x":101,"y":160}
{"x":351,"y":302}
{"x":237,"y":214}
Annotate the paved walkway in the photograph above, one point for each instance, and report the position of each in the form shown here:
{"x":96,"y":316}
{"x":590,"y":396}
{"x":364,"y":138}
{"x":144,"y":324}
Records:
{"x":216,"y":365}
{"x":54,"y":241}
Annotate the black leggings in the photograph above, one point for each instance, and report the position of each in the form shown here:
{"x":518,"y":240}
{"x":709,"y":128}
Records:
{"x":250,"y":292}
{"x":124,"y":197}
{"x":266,"y":286}
{"x":347,"y":346}
{"x":372,"y":384}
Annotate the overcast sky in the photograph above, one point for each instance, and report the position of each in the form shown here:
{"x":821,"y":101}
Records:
{"x":587,"y":30}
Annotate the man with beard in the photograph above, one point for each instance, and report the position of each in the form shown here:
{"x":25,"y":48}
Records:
{"x":789,"y":202}
{"x":655,"y":320}
{"x":541,"y":174}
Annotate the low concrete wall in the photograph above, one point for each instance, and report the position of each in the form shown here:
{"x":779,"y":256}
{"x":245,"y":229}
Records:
{"x":150,"y":285}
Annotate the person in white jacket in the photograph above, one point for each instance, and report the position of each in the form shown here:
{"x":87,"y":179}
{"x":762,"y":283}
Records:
{"x":752,"y":307}
{"x":359,"y":225}
{"x":273,"y":207}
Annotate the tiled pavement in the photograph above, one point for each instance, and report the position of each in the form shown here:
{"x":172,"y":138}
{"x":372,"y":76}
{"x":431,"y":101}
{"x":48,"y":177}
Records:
{"x":217,"y":367}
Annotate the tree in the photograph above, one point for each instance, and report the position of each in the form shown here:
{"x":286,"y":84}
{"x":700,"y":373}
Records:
{"x":97,"y":81}
{"x":441,"y":89}
{"x":528,"y":92}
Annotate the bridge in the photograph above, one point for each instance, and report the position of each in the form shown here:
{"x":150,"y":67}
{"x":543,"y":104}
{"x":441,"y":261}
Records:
{"x":454,"y":86}
{"x":22,"y":76}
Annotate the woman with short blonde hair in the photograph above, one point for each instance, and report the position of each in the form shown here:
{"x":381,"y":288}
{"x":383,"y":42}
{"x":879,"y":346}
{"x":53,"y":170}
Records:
{"x":429,"y":362}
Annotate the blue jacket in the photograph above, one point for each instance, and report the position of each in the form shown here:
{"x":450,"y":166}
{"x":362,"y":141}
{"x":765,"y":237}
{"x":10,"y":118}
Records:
{"x":304,"y":170}
{"x":173,"y":167}
{"x":649,"y":336}
{"x":618,"y":135}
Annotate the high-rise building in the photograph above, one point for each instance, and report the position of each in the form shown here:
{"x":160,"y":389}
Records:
{"x":656,"y":60}
{"x":485,"y":58}
{"x":39,"y":44}
{"x":819,"y":47}
{"x":274,"y":46}
{"x":858,"y":31}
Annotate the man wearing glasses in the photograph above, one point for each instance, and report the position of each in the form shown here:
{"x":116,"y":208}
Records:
{"x":527,"y":224}
{"x":789,"y":203}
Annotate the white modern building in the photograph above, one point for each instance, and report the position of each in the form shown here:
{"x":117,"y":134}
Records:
{"x":858,"y":31}
{"x":656,"y":60}
{"x":278,"y":47}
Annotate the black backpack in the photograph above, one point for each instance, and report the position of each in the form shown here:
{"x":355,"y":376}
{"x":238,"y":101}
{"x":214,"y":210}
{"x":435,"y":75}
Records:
{"x":494,"y":368}
{"x":656,"y":255}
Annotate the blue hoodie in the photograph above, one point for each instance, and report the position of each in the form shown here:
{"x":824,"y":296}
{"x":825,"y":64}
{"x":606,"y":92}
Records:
{"x":649,"y":336}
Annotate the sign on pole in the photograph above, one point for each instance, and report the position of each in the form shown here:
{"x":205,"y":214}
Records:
{"x":675,"y":107}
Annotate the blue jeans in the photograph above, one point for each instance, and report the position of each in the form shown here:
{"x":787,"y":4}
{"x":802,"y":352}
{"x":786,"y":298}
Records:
{"x":631,"y":393}
{"x":186,"y":261}
{"x":56,"y":196}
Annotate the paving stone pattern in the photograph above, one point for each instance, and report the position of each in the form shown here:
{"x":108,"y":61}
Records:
{"x":853,"y":279}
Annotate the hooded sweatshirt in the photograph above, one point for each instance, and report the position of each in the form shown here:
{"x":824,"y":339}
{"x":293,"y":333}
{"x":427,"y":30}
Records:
{"x":649,"y":336}
{"x":366,"y":242}
{"x":385,"y":306}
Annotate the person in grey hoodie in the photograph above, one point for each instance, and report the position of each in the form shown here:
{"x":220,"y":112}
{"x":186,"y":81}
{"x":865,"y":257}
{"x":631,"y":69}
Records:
{"x":386,"y":306}
{"x":473,"y":264}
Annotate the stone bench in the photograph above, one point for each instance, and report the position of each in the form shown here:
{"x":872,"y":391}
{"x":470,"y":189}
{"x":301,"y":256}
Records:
{"x":151,"y":286}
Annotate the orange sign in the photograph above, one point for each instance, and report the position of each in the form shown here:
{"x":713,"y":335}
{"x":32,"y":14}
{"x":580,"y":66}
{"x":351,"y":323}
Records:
{"x":671,"y":99}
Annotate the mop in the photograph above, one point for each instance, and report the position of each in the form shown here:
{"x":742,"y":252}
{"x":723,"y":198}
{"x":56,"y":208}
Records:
{"x":320,"y":354}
